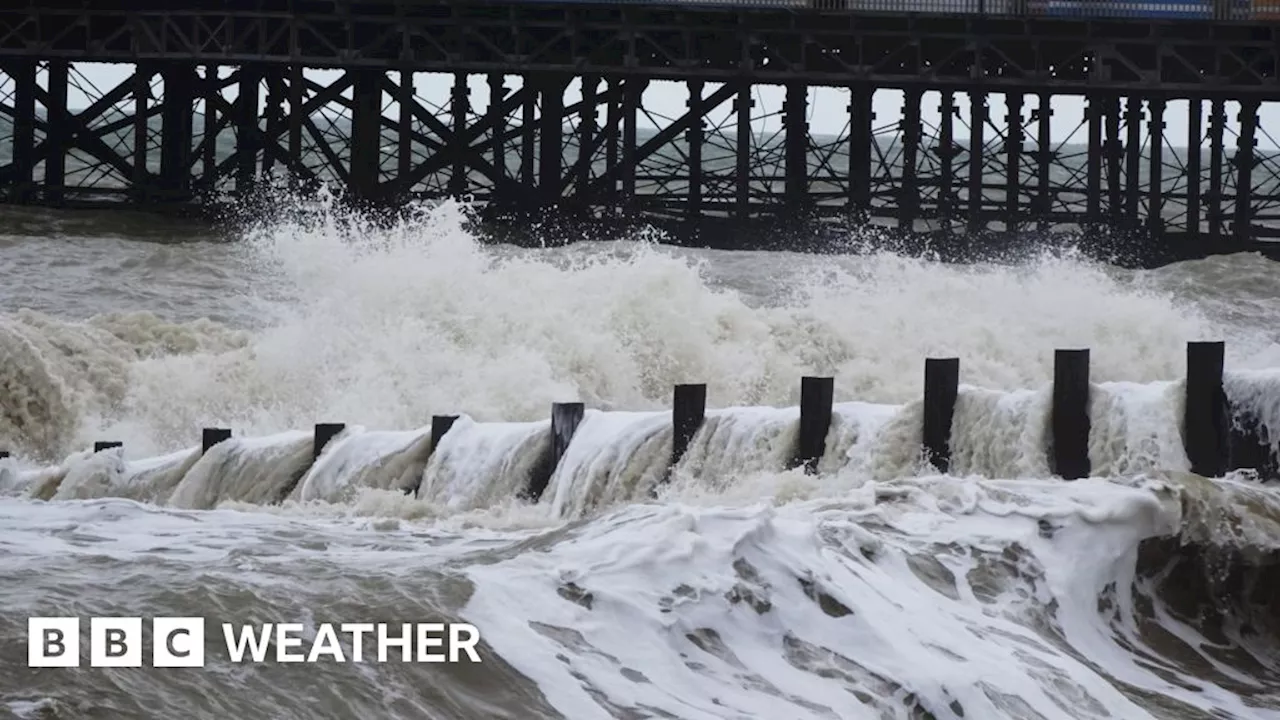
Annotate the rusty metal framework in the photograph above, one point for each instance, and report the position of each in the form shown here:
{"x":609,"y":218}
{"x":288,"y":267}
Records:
{"x":222,"y":93}
{"x":708,"y":43}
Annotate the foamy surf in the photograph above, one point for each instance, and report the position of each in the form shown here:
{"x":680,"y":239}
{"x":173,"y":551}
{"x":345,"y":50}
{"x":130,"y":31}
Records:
{"x":618,"y":457}
{"x":874,"y":588}
{"x":385,"y":327}
{"x":930,"y":596}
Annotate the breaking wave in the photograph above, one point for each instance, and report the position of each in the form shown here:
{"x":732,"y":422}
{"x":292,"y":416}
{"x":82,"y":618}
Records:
{"x":874,"y":588}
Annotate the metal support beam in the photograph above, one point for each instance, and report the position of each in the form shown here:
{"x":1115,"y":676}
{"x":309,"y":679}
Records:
{"x":248,"y":134}
{"x":946,"y":151}
{"x":1045,"y":156}
{"x":1217,"y":121}
{"x":363,"y":181}
{"x":613,"y":132}
{"x":1095,"y":111}
{"x":1133,"y":160}
{"x":296,"y":117}
{"x":405,"y":98}
{"x":1195,"y":151}
{"x":59,"y":135}
{"x":1245,"y":162}
{"x":743,"y":142}
{"x":796,"y":137}
{"x":458,"y":148}
{"x":693,"y":139}
{"x":551,"y":138}
{"x":1155,"y":173}
{"x":1114,"y":158}
{"x":274,"y":115}
{"x":586,"y":141}
{"x":497,"y":138}
{"x":1013,"y":160}
{"x":24,"y":129}
{"x":861,"y":138}
{"x":180,"y":86}
{"x":633,"y":92}
{"x":977,"y":147}
{"x":143,"y":192}
{"x":210,"y":128}
{"x":529,"y":137}
{"x":909,"y":192}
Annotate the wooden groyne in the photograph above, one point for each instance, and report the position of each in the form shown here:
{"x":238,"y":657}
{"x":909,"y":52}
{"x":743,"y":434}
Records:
{"x":1217,"y":437}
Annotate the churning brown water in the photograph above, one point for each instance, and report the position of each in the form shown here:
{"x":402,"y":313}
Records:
{"x":874,"y":589}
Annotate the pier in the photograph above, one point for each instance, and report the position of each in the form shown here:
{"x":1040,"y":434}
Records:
{"x":1016,"y":118}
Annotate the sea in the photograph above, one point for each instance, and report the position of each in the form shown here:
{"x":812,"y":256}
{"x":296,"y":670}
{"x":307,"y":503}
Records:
{"x":735,"y":588}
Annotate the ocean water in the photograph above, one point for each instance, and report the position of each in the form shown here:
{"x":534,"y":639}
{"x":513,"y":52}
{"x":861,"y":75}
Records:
{"x":874,"y":589}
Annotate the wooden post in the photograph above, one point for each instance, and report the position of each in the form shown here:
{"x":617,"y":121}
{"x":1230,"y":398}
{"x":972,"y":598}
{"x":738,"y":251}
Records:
{"x":325,"y":432}
{"x":440,"y":425}
{"x":565,"y":418}
{"x":1205,"y":420}
{"x":816,"y":394}
{"x":106,"y":445}
{"x":1070,"y":421}
{"x":941,"y":387}
{"x":212,"y":436}
{"x":688,"y":410}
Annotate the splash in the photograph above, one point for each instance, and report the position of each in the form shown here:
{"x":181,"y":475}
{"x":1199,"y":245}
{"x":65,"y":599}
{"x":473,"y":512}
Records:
{"x":384,"y":325}
{"x":617,"y":458}
{"x":732,"y":587}
{"x":60,"y":380}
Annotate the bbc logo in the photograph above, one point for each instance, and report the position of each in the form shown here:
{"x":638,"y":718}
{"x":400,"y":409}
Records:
{"x":115,"y":642}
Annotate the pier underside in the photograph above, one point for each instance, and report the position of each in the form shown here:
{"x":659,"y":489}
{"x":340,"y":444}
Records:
{"x":1001,"y":127}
